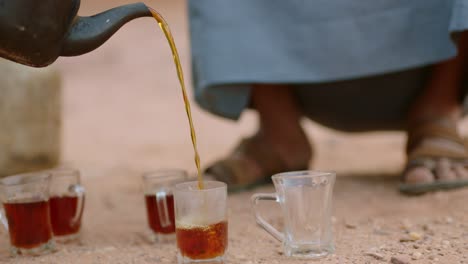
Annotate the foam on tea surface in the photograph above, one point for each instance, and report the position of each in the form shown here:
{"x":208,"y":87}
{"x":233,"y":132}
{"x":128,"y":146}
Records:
{"x":199,"y":221}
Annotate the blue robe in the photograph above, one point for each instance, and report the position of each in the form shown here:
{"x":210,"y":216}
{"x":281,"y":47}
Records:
{"x":319,"y":46}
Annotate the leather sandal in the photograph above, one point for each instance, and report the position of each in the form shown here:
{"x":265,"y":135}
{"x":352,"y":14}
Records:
{"x":249,"y":165}
{"x":428,"y":156}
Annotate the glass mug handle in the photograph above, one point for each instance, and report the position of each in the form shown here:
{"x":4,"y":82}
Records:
{"x":163,"y":211}
{"x":3,"y":218}
{"x":260,"y":220}
{"x":79,"y":191}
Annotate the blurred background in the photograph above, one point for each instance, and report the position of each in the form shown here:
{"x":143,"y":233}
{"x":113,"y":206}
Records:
{"x":122,"y":106}
{"x":118,"y":111}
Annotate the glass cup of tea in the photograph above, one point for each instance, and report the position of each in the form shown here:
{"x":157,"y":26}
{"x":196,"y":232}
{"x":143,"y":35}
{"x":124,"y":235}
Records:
{"x":201,"y":222}
{"x":25,"y":213}
{"x":67,"y":198}
{"x":306,"y":201}
{"x":158,"y":190}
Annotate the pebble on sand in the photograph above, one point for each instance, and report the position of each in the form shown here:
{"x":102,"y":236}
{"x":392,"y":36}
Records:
{"x":445,"y":243}
{"x":374,"y":255}
{"x":416,"y":255}
{"x":412,"y":236}
{"x":399,"y":260}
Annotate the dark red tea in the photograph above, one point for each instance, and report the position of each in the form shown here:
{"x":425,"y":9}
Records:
{"x":203,"y":242}
{"x":29,"y":223}
{"x":63,"y":209}
{"x":153,"y":214}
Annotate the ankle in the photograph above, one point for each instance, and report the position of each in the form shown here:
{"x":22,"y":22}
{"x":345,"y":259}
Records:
{"x":450,"y":116}
{"x":293,"y":148}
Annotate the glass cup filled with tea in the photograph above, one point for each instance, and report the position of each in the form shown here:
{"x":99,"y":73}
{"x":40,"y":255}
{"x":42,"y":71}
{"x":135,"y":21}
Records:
{"x":25,"y":213}
{"x":158,"y":190}
{"x":201,"y":222}
{"x":306,"y":201}
{"x":67,"y":199}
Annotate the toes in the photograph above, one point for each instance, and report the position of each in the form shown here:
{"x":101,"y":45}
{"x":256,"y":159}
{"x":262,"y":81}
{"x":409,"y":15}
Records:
{"x":460,"y":171}
{"x":444,"y":170}
{"x":419,"y":175}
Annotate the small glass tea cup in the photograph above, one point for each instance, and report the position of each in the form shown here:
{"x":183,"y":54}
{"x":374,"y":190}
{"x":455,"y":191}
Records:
{"x":67,"y":200}
{"x":306,"y":201}
{"x":201,"y":222}
{"x":158,"y":190}
{"x":25,"y":213}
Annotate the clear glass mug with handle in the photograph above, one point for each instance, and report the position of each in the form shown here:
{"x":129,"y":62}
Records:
{"x":67,"y":200}
{"x":25,"y":213}
{"x":159,"y":199}
{"x":305,"y":198}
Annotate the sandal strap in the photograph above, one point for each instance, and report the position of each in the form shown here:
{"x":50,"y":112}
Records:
{"x":235,"y":171}
{"x":436,"y":153}
{"x":428,"y":155}
{"x":266,"y":158}
{"x":420,"y":162}
{"x":238,"y":169}
{"x":432,"y":130}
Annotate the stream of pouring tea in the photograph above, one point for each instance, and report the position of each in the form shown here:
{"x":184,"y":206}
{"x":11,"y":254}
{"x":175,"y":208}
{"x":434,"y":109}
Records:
{"x":165,"y":28}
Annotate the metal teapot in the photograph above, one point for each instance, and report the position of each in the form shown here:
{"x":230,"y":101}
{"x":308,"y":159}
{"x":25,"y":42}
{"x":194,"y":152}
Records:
{"x":37,"y":32}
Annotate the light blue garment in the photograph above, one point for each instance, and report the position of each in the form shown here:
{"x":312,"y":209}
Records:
{"x":239,"y":42}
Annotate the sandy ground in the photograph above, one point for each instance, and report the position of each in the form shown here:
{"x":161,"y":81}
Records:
{"x":123,"y":115}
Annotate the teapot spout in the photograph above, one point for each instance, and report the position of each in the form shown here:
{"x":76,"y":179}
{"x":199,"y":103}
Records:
{"x":88,"y":33}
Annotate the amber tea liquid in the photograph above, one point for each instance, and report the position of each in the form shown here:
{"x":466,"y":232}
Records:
{"x":29,"y":223}
{"x":63,"y":210}
{"x":202,"y":242}
{"x":175,"y":54}
{"x":154,"y":219}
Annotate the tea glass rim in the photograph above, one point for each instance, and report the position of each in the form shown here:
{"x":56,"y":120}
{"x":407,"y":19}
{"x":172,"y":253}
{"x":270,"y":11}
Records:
{"x":32,"y":177}
{"x":215,"y":185}
{"x":303,"y":174}
{"x":164,"y":174}
{"x":64,"y":172}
